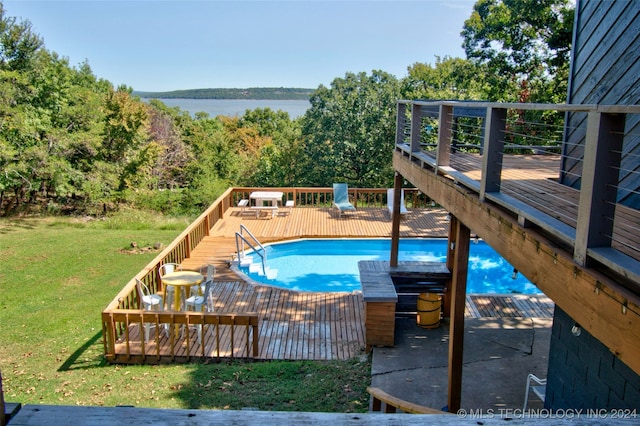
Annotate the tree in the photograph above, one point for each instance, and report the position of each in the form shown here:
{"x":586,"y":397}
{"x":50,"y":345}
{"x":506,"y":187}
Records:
{"x":125,"y":132}
{"x":173,"y":155}
{"x":18,"y":43}
{"x":215,"y":160}
{"x":450,"y":78}
{"x":349,"y":131}
{"x":525,"y":46}
{"x":279,"y":162}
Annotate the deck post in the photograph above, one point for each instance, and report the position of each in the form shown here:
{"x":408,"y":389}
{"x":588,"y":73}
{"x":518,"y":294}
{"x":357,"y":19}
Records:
{"x":456,"y":323}
{"x":493,"y":151}
{"x":451,"y":243}
{"x":599,"y":184}
{"x":187,"y":245}
{"x":445,"y":133}
{"x":395,"y":219}
{"x":401,"y":119}
{"x":416,"y":122}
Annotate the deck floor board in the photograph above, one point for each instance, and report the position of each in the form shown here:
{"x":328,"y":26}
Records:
{"x":313,"y":326}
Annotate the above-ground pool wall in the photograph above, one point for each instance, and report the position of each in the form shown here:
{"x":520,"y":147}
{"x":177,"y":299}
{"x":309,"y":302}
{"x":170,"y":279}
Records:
{"x":584,"y":374}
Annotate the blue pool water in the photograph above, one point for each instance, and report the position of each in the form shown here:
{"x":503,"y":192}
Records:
{"x":332,"y":264}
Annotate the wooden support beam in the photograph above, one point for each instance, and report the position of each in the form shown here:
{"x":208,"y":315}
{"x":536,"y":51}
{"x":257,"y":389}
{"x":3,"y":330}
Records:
{"x":456,"y":324}
{"x":451,"y":243}
{"x":395,"y":224}
{"x":494,"y":145}
{"x":602,"y":306}
{"x":599,"y":184}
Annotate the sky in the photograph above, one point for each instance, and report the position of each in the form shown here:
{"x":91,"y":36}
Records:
{"x":165,"y":45}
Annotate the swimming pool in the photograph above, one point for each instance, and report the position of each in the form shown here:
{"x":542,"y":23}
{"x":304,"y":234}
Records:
{"x":332,"y":264}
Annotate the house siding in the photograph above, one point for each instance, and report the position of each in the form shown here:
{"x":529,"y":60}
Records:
{"x":584,"y":374}
{"x":604,"y":70}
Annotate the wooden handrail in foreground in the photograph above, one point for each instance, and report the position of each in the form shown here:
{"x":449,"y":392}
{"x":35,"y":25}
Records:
{"x":392,"y":403}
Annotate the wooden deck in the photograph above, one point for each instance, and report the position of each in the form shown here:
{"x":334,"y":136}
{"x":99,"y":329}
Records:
{"x":220,"y":246}
{"x":318,"y":326}
{"x":315,"y":326}
{"x":529,"y":188}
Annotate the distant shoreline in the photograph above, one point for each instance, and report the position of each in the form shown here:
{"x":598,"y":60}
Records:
{"x":254,"y":93}
{"x":236,"y":107}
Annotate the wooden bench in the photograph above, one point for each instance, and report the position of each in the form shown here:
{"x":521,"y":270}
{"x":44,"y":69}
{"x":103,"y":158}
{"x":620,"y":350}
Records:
{"x":383,"y":402}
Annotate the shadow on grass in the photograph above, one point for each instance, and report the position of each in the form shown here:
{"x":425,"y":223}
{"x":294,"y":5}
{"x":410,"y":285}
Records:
{"x":12,"y":225}
{"x":304,"y":386}
{"x":79,"y":362}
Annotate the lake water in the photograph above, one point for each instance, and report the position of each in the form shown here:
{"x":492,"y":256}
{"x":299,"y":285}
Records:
{"x":237,"y":107}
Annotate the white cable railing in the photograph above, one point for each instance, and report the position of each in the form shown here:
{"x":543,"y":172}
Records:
{"x":593,"y":148}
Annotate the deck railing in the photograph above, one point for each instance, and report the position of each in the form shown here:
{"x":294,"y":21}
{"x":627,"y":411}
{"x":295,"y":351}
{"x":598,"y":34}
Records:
{"x":174,"y":338}
{"x":323,"y":197}
{"x":125,"y":314}
{"x":595,"y":150}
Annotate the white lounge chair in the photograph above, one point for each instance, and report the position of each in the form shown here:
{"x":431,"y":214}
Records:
{"x":244,"y":206}
{"x":341,"y":198}
{"x":403,"y":208}
{"x":288,"y":206}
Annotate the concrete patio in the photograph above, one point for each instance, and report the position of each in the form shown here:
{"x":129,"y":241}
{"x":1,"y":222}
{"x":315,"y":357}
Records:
{"x":498,"y":355}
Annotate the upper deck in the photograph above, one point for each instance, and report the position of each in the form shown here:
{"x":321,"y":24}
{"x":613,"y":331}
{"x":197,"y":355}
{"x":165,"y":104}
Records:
{"x":564,"y":214}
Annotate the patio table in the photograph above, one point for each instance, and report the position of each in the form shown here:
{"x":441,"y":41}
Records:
{"x":273,"y":198}
{"x":181,"y":280}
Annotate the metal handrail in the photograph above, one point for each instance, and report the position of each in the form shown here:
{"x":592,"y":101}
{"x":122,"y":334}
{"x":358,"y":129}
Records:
{"x":263,"y":254}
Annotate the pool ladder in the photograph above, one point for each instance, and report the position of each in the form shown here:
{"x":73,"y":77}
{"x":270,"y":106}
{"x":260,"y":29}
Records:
{"x":244,"y":236}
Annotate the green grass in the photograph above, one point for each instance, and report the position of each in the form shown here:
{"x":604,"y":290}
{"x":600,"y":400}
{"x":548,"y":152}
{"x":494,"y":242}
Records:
{"x":56,"y":276}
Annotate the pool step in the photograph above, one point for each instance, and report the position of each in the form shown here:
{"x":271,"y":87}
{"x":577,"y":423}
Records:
{"x":245,"y":261}
{"x":256,"y":268}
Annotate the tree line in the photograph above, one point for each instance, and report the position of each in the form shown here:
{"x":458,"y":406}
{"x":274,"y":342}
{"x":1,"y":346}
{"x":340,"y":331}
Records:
{"x":71,"y":142}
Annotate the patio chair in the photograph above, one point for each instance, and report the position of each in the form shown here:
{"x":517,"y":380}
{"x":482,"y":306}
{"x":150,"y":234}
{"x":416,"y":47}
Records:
{"x":341,"y":198}
{"x":208,"y":271}
{"x":286,"y":210}
{"x":149,"y":302}
{"x":167,"y":290}
{"x":243,"y":204}
{"x":199,"y":303}
{"x":403,"y":208}
{"x":539,"y":389}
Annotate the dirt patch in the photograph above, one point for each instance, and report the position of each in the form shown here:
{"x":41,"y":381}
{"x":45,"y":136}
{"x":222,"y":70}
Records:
{"x":136,"y":249}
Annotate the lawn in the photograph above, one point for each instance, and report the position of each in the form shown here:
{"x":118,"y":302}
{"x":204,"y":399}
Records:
{"x":56,"y":276}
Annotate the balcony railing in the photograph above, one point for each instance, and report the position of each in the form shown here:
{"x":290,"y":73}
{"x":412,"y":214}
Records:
{"x":594,"y":151}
